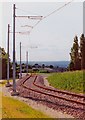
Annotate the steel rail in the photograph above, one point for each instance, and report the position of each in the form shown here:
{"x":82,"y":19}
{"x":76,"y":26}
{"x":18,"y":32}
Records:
{"x":25,"y":79}
{"x":56,"y":96}
{"x":65,"y":92}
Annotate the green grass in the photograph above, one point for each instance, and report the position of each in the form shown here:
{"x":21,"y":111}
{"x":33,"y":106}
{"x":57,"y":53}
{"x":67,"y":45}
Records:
{"x":71,"y":81}
{"x":16,"y":109}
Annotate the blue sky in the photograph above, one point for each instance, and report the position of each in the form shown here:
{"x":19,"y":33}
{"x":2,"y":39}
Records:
{"x":52,"y":38}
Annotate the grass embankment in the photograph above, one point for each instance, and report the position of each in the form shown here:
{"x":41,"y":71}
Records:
{"x":71,"y":81}
{"x":2,"y":83}
{"x":0,"y":105}
{"x":16,"y":109}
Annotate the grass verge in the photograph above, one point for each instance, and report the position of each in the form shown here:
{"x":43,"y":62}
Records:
{"x":0,"y":105}
{"x":2,"y":83}
{"x":71,"y":81}
{"x":16,"y":109}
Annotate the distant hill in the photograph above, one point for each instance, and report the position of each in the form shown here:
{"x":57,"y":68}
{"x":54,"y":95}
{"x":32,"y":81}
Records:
{"x":54,"y":63}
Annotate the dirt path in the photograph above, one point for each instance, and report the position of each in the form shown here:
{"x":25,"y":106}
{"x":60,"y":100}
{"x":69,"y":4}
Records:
{"x":37,"y":106}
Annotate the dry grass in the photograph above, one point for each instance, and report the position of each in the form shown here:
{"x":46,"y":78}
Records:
{"x":16,"y":109}
{"x":0,"y":105}
{"x":3,"y":82}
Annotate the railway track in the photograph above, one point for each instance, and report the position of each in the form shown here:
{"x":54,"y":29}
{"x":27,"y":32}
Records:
{"x":30,"y":83}
{"x":63,"y":92}
{"x":46,"y":92}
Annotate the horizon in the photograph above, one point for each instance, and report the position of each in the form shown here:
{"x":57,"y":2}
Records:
{"x":41,"y":61}
{"x":48,"y":61}
{"x":54,"y":63}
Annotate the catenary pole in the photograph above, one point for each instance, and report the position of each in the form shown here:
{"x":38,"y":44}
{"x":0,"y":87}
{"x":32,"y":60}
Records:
{"x":27,"y":62}
{"x":14,"y":68}
{"x":8,"y":56}
{"x":20,"y":63}
{"x":8,"y":84}
{"x":14,"y":84}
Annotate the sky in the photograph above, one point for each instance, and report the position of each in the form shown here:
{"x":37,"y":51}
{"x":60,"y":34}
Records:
{"x":52,"y":38}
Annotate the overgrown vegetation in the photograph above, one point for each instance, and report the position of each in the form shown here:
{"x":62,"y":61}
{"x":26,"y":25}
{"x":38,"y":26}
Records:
{"x":16,"y":109}
{"x":71,"y":81}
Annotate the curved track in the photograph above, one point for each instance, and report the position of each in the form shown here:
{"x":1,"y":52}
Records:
{"x":63,"y":92}
{"x":33,"y":85}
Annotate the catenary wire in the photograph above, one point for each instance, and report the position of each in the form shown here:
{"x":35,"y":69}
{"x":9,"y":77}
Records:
{"x":52,"y":13}
{"x":25,"y":11}
{"x":56,"y":10}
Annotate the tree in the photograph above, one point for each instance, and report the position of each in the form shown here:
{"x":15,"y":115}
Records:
{"x":51,"y":66}
{"x":3,"y":54}
{"x":75,"y":59}
{"x":43,"y":66}
{"x":3,"y":61}
{"x":82,"y":51}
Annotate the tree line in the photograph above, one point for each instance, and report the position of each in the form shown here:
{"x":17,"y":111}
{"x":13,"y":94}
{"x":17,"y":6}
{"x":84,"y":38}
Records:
{"x":77,"y":54}
{"x":3,"y":64}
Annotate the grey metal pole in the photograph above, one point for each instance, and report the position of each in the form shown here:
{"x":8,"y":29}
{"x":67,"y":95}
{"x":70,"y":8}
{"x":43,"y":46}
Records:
{"x":14,"y":83}
{"x":0,"y":64}
{"x":8,"y":84}
{"x":20,"y":63}
{"x":84,"y":17}
{"x":8,"y":56}
{"x":14,"y":69}
{"x":27,"y":62}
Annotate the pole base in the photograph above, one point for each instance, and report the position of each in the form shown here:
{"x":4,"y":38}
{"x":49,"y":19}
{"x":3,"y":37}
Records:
{"x":8,"y":85}
{"x":14,"y":93}
{"x":27,"y":74}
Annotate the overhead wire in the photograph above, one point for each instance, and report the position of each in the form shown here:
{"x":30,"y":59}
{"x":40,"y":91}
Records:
{"x":29,"y":26}
{"x":25,"y":11}
{"x":22,"y":32}
{"x":52,"y":13}
{"x":56,"y":10}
